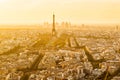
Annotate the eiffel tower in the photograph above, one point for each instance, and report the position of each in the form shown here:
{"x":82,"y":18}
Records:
{"x":53,"y":29}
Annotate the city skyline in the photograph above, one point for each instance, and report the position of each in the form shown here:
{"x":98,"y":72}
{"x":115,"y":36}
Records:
{"x":74,"y":11}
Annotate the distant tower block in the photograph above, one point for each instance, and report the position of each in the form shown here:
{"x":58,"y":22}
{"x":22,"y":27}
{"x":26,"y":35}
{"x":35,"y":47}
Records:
{"x":53,"y":30}
{"x":117,"y":27}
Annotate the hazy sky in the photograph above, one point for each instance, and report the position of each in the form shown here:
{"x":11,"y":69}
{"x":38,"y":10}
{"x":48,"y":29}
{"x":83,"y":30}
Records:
{"x":75,"y":11}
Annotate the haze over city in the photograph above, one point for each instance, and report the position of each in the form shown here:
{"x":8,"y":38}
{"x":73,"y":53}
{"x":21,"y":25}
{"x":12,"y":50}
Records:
{"x":59,"y":40}
{"x":75,"y":11}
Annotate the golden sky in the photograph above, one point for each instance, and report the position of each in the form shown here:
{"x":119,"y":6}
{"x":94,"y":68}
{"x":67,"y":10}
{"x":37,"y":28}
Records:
{"x":74,"y":11}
